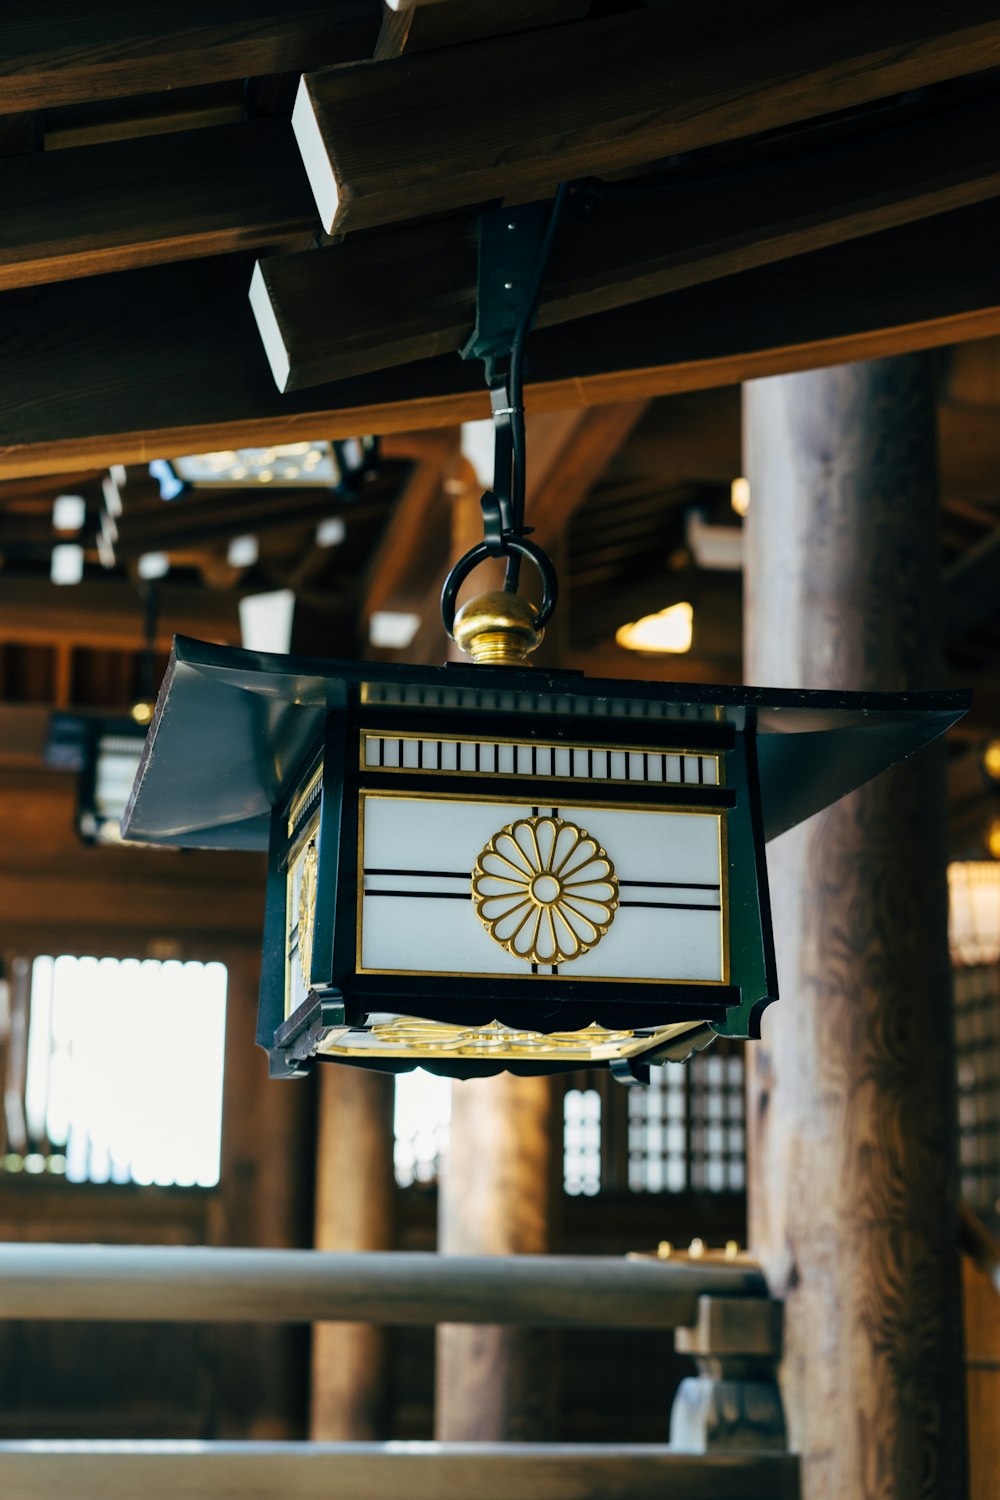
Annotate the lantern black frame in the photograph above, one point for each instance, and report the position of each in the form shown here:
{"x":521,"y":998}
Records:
{"x":238,"y":734}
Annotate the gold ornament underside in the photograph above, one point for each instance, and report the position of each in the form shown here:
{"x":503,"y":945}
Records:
{"x":307,"y":904}
{"x":545,"y":890}
{"x":410,"y":1036}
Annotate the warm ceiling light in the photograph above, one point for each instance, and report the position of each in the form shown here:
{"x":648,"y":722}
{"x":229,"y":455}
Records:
{"x":142,"y":711}
{"x":739,"y":496}
{"x":974,"y":912}
{"x":991,"y":760}
{"x":993,"y":838}
{"x":668,"y":630}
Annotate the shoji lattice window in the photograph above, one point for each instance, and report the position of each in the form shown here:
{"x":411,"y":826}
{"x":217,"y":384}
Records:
{"x":582,"y":1142}
{"x":977,"y":1029}
{"x":113,"y":1070}
{"x":422,"y":1127}
{"x":686,"y":1131}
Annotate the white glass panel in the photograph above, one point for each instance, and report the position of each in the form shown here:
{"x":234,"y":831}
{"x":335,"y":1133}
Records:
{"x":543,"y":760}
{"x":507,"y":759}
{"x":425,"y":934}
{"x":390,"y":755}
{"x":601,"y":763}
{"x":711,"y":769}
{"x":617,"y":765}
{"x":635,"y":766}
{"x":371,"y":751}
{"x":673,"y":768}
{"x":449,"y":755}
{"x":655,"y":768}
{"x":411,"y":754}
{"x":655,"y":846}
{"x":563,"y":761}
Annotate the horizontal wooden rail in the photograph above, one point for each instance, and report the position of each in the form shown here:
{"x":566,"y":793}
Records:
{"x":391,"y":1471}
{"x":198,"y":1285}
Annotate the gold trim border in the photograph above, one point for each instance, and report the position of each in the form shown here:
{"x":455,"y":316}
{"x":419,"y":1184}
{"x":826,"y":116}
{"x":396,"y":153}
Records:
{"x":719,"y":757}
{"x":600,"y":1051}
{"x":311,"y":831}
{"x":719,"y":813}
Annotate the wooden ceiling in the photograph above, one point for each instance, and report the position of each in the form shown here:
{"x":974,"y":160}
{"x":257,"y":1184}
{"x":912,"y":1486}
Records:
{"x":237,"y":223}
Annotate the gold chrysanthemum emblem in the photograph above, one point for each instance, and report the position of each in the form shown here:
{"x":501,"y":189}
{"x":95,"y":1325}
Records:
{"x":545,"y":890}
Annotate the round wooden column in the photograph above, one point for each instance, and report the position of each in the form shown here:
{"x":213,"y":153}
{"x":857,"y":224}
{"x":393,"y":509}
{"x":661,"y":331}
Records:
{"x":355,"y":1191}
{"x":494,"y":1383}
{"x":852,"y":1176}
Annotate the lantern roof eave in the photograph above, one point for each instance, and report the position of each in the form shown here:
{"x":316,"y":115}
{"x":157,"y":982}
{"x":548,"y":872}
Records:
{"x":233,"y":728}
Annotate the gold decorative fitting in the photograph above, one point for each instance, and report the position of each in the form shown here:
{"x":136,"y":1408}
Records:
{"x":307,"y":905}
{"x":415,"y":1038}
{"x":545,"y":890}
{"x":498,"y":629}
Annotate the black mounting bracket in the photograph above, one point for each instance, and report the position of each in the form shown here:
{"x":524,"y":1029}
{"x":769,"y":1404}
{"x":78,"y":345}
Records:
{"x":510,"y":245}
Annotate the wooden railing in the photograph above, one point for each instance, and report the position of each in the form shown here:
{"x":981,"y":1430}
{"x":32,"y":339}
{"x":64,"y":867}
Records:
{"x":727,"y":1436}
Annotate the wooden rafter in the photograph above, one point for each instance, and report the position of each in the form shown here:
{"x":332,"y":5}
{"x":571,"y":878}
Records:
{"x":109,"y":615}
{"x":79,"y":387}
{"x":73,"y":51}
{"x":409,"y":293}
{"x":425,"y":24}
{"x":380,"y":142}
{"x":90,"y":209}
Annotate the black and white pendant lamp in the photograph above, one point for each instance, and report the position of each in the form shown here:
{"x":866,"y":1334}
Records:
{"x":491,"y":866}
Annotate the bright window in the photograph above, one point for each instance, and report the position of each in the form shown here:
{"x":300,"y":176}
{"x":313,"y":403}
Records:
{"x":123,"y":1072}
{"x":422,"y":1126}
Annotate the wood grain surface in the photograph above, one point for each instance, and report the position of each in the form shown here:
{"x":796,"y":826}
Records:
{"x":72,"y":51}
{"x":493,"y":1383}
{"x":399,"y":1471}
{"x":380,"y":141}
{"x":78,"y":386}
{"x":852,"y":1185}
{"x":409,"y":293}
{"x":355,"y":1197}
{"x":90,"y":209}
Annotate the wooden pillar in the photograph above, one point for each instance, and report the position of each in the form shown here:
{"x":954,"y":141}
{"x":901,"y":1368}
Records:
{"x":355,"y":1191}
{"x":496,"y":1384}
{"x":852,"y":1178}
{"x":493,"y":1384}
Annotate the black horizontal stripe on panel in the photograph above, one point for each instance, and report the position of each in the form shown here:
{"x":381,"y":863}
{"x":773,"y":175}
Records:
{"x":673,"y":885}
{"x":667,"y":905}
{"x":427,"y":874}
{"x":430,"y":895}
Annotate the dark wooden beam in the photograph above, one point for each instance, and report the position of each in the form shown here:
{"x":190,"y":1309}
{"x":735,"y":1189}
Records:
{"x":109,"y":615}
{"x":419,"y":513}
{"x":72,"y":51}
{"x":425,"y":24}
{"x":380,"y":142}
{"x":972,"y":587}
{"x":79,"y":388}
{"x":410,"y":293}
{"x":90,"y":209}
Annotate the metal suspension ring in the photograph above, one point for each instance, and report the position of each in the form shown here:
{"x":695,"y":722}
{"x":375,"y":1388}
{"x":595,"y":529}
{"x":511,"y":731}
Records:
{"x":478,"y":554}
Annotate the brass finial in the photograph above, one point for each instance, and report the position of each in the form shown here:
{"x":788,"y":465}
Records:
{"x":498,"y":629}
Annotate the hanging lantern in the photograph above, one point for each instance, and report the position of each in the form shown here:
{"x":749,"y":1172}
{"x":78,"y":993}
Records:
{"x":488,"y":867}
{"x":104,"y":752}
{"x":477,"y":868}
